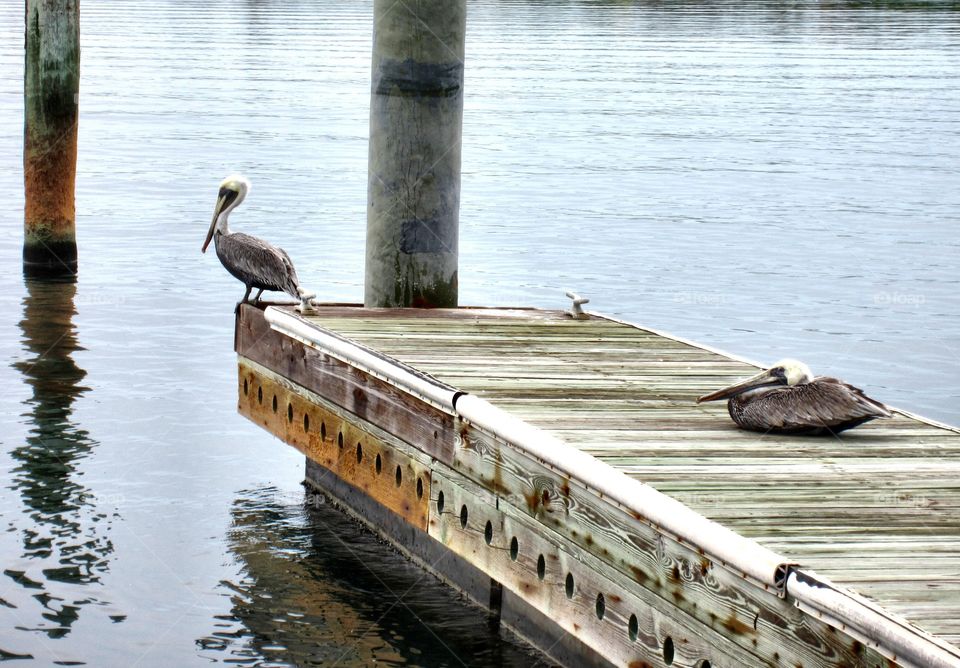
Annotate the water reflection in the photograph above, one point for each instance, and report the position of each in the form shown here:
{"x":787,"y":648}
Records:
{"x":317,"y":589}
{"x":65,"y":535}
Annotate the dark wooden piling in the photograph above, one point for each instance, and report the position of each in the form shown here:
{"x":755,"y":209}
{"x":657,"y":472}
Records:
{"x":51,"y":91}
{"x":416,"y":114}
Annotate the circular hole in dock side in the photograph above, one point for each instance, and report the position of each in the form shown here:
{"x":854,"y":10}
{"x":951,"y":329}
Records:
{"x":668,"y":650}
{"x":633,"y":628}
{"x":463,"y":516}
{"x":488,"y":532}
{"x":570,"y":585}
{"x":705,"y":664}
{"x":440,"y":502}
{"x":274,"y":403}
{"x":514,"y":548}
{"x":260,"y":395}
{"x":419,"y":488}
{"x":359,"y":453}
{"x":306,"y":422}
{"x":541,"y":567}
{"x":601,"y":606}
{"x":399,"y":475}
{"x":289,"y":412}
{"x":378,"y":464}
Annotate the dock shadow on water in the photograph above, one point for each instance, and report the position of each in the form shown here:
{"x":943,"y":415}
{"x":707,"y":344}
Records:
{"x":319,"y":589}
{"x":65,"y":547}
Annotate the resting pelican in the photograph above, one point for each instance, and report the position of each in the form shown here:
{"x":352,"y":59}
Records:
{"x":254,"y":261}
{"x":787,"y":399}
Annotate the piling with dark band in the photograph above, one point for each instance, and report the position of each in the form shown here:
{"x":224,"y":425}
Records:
{"x":51,"y":91}
{"x":416,"y":114}
{"x":417,"y":79}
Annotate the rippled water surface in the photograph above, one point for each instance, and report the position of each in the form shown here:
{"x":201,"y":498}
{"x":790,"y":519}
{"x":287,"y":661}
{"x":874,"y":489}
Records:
{"x":772,"y":178}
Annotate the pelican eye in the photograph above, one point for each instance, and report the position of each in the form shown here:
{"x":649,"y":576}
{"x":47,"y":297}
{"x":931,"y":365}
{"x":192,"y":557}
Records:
{"x":228,"y":195}
{"x":779,"y":372}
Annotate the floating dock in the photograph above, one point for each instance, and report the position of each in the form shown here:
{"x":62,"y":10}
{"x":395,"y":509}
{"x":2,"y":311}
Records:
{"x":560,"y":473}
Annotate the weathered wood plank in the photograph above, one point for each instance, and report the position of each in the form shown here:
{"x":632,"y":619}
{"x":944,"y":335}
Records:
{"x":626,"y":396}
{"x":755,"y":619}
{"x":866,"y":509}
{"x":634,"y":626}
{"x":360,"y":394}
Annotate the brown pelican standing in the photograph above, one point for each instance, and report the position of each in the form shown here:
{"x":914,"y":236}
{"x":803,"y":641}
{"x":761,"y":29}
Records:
{"x":254,"y":261}
{"x":787,"y":399}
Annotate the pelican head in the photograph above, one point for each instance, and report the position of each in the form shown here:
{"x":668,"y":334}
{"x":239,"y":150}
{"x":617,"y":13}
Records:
{"x":785,"y":372}
{"x":232,"y":191}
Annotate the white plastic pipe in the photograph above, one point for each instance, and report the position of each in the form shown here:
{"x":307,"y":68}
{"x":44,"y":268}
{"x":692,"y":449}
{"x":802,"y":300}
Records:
{"x":386,"y":368}
{"x":875,"y":627}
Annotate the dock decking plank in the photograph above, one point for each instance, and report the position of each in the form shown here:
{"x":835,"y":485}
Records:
{"x":877,"y":509}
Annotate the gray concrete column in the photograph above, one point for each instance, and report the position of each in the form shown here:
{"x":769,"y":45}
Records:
{"x":416,"y":118}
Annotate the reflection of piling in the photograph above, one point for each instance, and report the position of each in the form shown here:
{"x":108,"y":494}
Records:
{"x":51,"y":89}
{"x":416,"y":115}
{"x":45,"y":464}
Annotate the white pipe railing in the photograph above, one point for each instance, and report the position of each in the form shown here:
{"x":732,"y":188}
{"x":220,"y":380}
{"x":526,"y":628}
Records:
{"x":407,"y":378}
{"x":875,"y":627}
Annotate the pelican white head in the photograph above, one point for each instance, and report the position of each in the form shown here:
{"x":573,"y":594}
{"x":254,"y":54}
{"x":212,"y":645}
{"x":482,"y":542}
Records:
{"x":237,"y":183}
{"x":794,"y":372}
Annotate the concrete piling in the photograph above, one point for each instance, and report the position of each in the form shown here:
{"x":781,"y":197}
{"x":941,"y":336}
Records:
{"x":416,"y":117}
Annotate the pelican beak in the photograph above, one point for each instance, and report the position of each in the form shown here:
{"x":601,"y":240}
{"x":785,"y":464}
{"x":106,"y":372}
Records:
{"x":221,"y":201}
{"x":762,"y":379}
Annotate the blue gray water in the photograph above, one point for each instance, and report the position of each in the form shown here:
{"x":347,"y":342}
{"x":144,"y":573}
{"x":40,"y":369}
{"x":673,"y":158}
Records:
{"x":771,"y":178}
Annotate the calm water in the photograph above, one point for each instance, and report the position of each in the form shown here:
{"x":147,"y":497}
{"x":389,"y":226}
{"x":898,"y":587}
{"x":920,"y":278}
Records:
{"x":775,"y":179}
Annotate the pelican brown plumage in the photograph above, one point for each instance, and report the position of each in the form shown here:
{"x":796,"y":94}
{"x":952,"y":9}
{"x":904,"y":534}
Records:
{"x":787,"y":399}
{"x":252,"y":260}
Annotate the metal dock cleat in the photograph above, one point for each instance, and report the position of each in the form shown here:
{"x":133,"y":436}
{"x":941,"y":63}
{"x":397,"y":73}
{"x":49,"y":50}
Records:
{"x":575,"y":311}
{"x":306,"y":305}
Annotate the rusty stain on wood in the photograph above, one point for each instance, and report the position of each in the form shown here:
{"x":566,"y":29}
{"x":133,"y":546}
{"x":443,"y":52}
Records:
{"x":281,"y":410}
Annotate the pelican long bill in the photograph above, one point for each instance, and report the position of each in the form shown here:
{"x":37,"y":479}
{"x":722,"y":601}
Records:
{"x":221,"y":201}
{"x":762,"y":379}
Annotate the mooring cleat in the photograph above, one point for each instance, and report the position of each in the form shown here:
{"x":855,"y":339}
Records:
{"x":306,"y":305}
{"x":575,"y":311}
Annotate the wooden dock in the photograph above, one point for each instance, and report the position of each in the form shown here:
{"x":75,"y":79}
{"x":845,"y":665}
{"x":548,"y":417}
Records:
{"x":560,"y":473}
